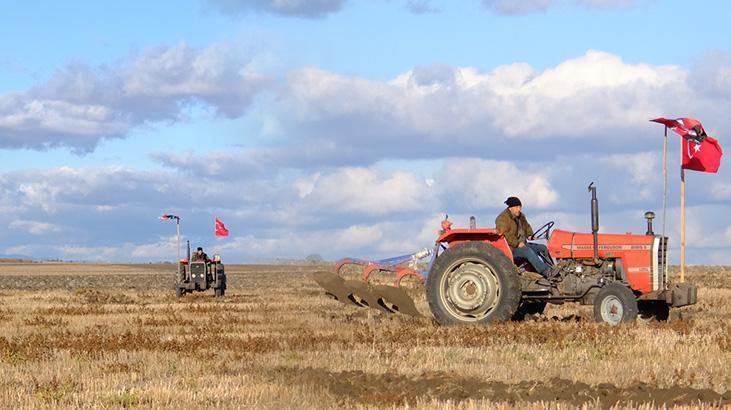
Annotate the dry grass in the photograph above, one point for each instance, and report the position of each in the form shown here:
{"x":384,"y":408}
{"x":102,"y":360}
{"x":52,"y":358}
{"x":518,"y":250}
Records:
{"x":118,"y":338}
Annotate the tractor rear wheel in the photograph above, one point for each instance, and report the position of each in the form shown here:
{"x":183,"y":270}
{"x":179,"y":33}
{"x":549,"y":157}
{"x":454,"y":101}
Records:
{"x":615,"y":304}
{"x":220,"y":292}
{"x":473,"y":282}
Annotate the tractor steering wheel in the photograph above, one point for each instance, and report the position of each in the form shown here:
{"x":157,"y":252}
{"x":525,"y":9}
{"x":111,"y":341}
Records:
{"x":544,"y":231}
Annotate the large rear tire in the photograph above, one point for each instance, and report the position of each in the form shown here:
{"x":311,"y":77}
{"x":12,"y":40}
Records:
{"x":473,"y":282}
{"x":615,"y":304}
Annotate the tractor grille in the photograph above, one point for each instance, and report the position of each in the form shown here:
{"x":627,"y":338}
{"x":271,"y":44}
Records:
{"x":198,"y":271}
{"x":662,"y":261}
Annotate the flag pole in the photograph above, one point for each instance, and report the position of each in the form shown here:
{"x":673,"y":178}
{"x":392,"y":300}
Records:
{"x":177,"y":229}
{"x":665,"y":181}
{"x":682,"y":215}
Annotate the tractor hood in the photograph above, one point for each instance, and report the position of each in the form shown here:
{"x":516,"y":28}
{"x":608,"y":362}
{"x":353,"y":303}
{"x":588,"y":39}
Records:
{"x":565,"y":244}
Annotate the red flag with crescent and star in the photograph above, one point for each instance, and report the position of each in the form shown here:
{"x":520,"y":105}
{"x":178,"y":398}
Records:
{"x":701,"y":152}
{"x":221,"y":228}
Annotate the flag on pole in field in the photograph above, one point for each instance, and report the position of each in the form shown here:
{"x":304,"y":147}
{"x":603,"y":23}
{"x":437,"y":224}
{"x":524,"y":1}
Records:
{"x":221,"y":228}
{"x":701,"y":152}
{"x":170,"y":216}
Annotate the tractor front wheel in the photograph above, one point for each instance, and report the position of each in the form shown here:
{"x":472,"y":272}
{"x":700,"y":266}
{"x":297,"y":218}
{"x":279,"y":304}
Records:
{"x":615,"y":304}
{"x":179,"y":292}
{"x":473,"y":282}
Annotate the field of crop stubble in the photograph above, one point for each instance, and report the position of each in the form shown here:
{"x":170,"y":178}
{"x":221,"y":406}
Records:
{"x":108,"y":336}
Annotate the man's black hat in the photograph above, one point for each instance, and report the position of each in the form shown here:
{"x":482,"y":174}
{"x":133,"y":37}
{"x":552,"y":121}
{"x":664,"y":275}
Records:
{"x":200,"y":249}
{"x":513,"y":201}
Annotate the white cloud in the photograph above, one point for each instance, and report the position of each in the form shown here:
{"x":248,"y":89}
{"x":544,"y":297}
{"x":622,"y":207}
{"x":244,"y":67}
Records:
{"x":428,"y":111}
{"x":292,"y":8}
{"x":363,"y":190}
{"x":642,"y":167}
{"x":721,"y":190}
{"x":513,"y":7}
{"x":34,"y":227}
{"x":481,"y":184}
{"x":164,"y":249}
{"x":18,"y":250}
{"x":519,"y":7}
{"x":90,"y":253}
{"x":421,"y":6}
{"x":80,"y":105}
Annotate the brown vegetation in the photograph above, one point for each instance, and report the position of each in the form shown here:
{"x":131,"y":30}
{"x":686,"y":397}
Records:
{"x":114,"y":336}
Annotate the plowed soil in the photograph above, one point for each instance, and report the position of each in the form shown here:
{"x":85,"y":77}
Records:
{"x":393,"y":389}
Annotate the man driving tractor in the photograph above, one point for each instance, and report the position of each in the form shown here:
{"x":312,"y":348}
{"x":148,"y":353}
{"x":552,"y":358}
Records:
{"x":200,"y":256}
{"x":513,"y":225}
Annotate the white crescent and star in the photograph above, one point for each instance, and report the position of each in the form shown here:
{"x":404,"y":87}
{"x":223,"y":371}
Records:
{"x":696,"y":148}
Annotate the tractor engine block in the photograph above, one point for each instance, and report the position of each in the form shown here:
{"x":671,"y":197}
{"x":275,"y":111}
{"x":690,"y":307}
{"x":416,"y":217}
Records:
{"x":578,"y":277}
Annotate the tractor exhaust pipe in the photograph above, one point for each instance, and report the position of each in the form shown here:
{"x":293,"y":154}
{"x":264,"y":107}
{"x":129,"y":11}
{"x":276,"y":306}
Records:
{"x":594,"y":220}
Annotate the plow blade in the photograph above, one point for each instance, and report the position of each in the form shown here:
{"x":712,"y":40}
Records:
{"x":385,"y":298}
{"x":334,"y":286}
{"x":396,"y":300}
{"x":363,"y":294}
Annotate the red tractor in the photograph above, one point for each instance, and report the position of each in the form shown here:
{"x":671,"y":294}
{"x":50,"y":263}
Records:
{"x":473,"y":278}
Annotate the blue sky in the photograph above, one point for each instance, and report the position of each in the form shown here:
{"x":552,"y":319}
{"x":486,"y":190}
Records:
{"x":347,"y":127}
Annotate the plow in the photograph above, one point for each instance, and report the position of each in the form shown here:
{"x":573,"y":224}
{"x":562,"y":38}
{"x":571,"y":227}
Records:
{"x":361,"y":293}
{"x":472,"y":276}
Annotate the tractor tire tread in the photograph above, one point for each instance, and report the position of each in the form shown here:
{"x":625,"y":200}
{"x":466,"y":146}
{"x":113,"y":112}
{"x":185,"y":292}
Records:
{"x":624,"y":294}
{"x":510,"y":289}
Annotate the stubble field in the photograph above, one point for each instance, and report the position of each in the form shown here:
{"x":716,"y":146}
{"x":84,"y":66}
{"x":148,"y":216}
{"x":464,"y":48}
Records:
{"x":110,"y":336}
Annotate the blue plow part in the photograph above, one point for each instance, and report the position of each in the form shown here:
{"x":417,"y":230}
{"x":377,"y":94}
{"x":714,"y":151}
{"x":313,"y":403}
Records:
{"x":391,"y":262}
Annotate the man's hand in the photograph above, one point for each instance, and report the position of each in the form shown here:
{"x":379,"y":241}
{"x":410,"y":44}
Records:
{"x":521,"y":245}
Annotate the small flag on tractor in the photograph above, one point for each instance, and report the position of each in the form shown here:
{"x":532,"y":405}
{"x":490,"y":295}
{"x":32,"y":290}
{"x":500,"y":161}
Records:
{"x":700,"y":151}
{"x":221,"y":228}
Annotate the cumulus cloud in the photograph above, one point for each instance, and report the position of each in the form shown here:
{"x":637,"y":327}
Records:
{"x":712,"y":74}
{"x":519,"y":7}
{"x":484,"y":184}
{"x":34,"y":227}
{"x":442,"y":110}
{"x":721,"y":190}
{"x":512,"y":7}
{"x":162,"y":249}
{"x":290,"y":8}
{"x":347,"y":211}
{"x":362,"y":190}
{"x":421,"y":6}
{"x":79,"y":105}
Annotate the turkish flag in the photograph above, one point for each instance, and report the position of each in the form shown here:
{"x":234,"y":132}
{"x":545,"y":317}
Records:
{"x":704,"y":156}
{"x":685,"y":127}
{"x":700,"y":151}
{"x":221,"y":228}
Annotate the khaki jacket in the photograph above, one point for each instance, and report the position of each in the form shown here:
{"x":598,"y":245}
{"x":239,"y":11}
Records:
{"x":508,"y":227}
{"x":199,"y":258}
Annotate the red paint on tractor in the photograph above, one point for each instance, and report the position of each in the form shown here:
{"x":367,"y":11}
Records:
{"x":635,"y":252}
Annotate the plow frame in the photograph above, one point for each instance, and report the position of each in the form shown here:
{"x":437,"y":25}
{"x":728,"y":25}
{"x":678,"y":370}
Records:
{"x":392,"y":265}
